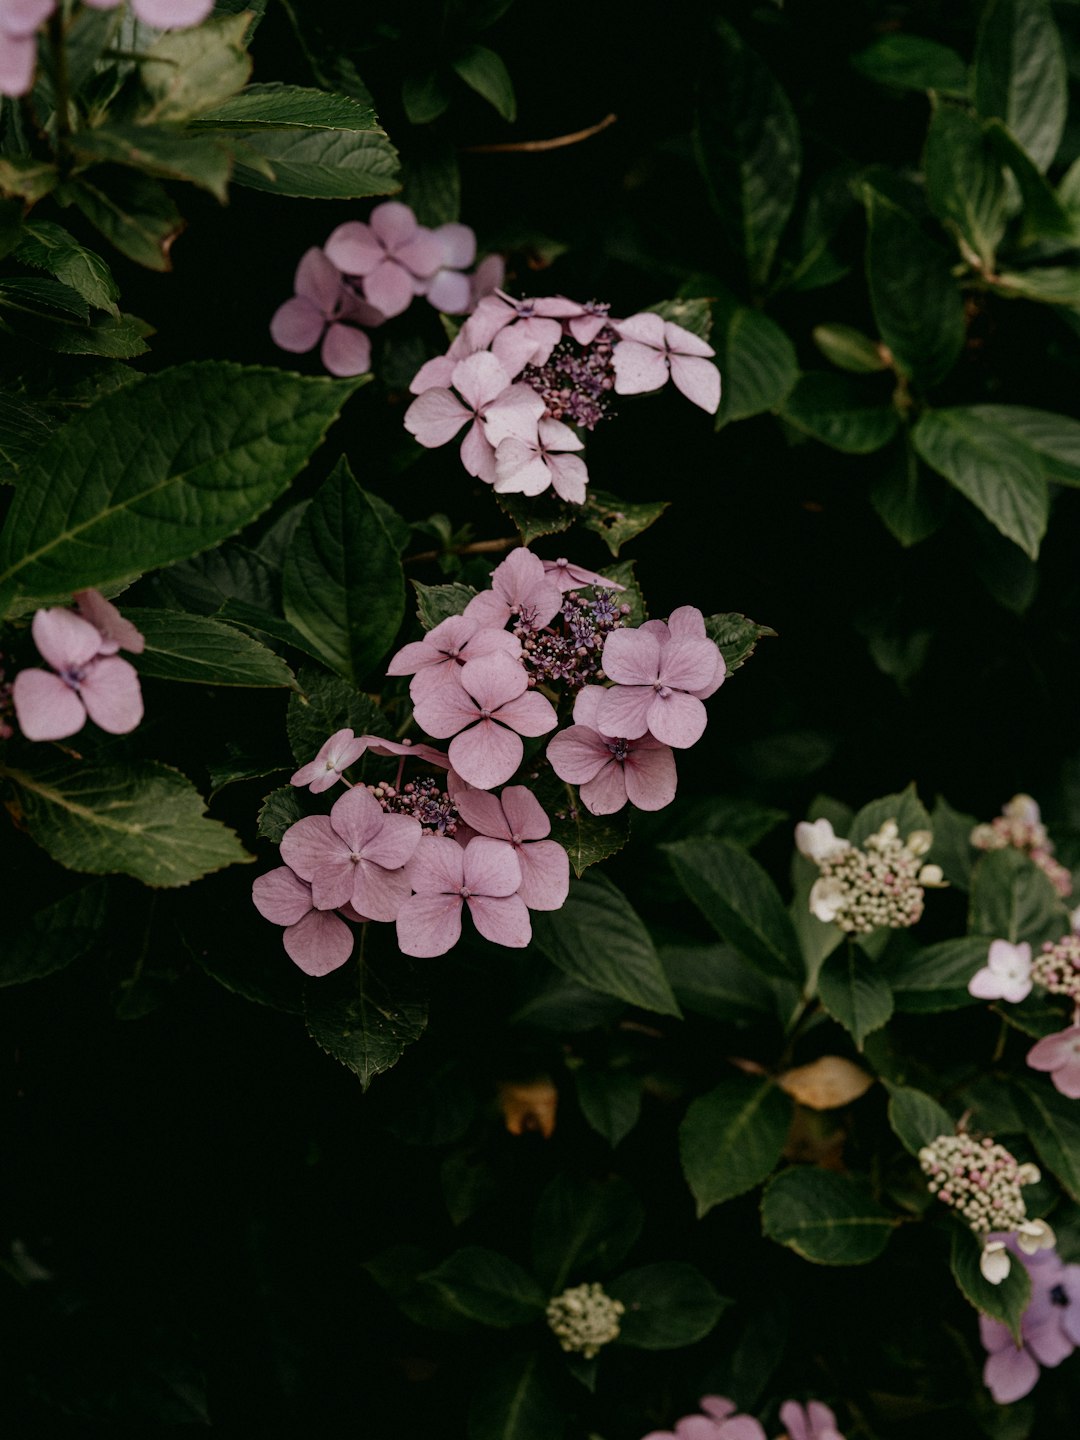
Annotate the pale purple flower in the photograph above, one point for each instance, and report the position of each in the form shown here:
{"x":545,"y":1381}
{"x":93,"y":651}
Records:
{"x":719,"y":1422}
{"x":487,"y":277}
{"x":163,"y":14}
{"x":449,"y":289}
{"x":569,"y":576}
{"x":86,"y":682}
{"x":657,"y":686}
{"x":396,"y":256}
{"x":438,"y":373}
{"x":813,"y":1421}
{"x":1049,"y":1328}
{"x":651,"y":348}
{"x":1059,"y":1055}
{"x":590,"y":319}
{"x":530,"y":456}
{"x":487,"y":716}
{"x":335,"y":756}
{"x":116,"y":632}
{"x":516,"y":818}
{"x":519,"y":332}
{"x":520,"y":586}
{"x":483,"y":389}
{"x":325,"y":308}
{"x":1006,"y":974}
{"x":611,"y":770}
{"x":317,"y":940}
{"x":688,"y":623}
{"x":439,"y":657}
{"x":356,"y":855}
{"x":19,"y":21}
{"x":484,"y":874}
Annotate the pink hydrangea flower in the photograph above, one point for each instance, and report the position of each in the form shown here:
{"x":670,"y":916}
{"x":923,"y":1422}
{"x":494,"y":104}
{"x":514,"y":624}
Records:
{"x":813,"y":1421}
{"x":487,"y":716}
{"x":450,"y":289}
{"x":519,"y":332}
{"x":656,"y":686}
{"x":325,"y":308}
{"x":116,"y":632}
{"x":484,"y":389}
{"x":719,"y":1422}
{"x":1006,"y":974}
{"x":87,"y":681}
{"x":609,"y":770}
{"x":335,"y":756}
{"x":531,"y":456}
{"x":355,"y":855}
{"x":516,"y":818}
{"x":1049,"y":1328}
{"x":396,"y":256}
{"x":651,"y":348}
{"x":688,"y":623}
{"x":1059,"y":1055}
{"x":571,"y":577}
{"x":520,"y":586}
{"x":317,"y":940}
{"x":19,"y":21}
{"x":439,"y":657}
{"x":484,"y":874}
{"x":163,"y":14}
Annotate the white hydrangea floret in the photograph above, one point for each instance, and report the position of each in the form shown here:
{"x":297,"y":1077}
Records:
{"x":584,"y":1318}
{"x":817,"y":840}
{"x":878,"y":885}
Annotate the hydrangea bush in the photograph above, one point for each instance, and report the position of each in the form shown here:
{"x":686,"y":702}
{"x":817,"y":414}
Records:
{"x":443,"y":985}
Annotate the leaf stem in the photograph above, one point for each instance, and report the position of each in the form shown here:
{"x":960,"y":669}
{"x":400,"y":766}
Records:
{"x":60,"y":79}
{"x":475,"y":547}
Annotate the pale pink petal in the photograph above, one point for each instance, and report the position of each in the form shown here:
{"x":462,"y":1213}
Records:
{"x":606,"y":792}
{"x":436,"y":866}
{"x":985,"y":985}
{"x":45,"y":707}
{"x":624,"y":710}
{"x":519,"y":470}
{"x":527,"y":818}
{"x":414,"y":656}
{"x":515,"y":411}
{"x":357,"y":817}
{"x":1066,"y":1078}
{"x":569,"y":478}
{"x":429,"y":925}
{"x":557,"y":436}
{"x":503,"y":922}
{"x":793,"y":1419}
{"x":526,"y":342}
{"x":489,"y":317}
{"x":529,"y":714}
{"x":491,"y":867}
{"x":493,"y":680}
{"x":319,"y":943}
{"x":686,"y":623}
{"x":450,"y":292}
{"x":489,"y":608}
{"x":394,"y":223}
{"x":445,"y":710}
{"x":354,"y":248}
{"x":64,"y":639}
{"x":742,"y":1427}
{"x":319,"y":280}
{"x":110,"y":691}
{"x":422,"y":255}
{"x":172,"y":14}
{"x":687,"y":664}
{"x":310,"y":844}
{"x":1053,"y":1051}
{"x":393,"y":844}
{"x":18,"y":61}
{"x":650,"y":777}
{"x":436,"y":373}
{"x":281,"y":897}
{"x":297,"y":326}
{"x":585,"y":328}
{"x":1048,"y":1342}
{"x":357,"y":311}
{"x":719,"y":675}
{"x":685,"y":342}
{"x":638,"y":368}
{"x":490,"y":641}
{"x":821,"y":1417}
{"x":698,"y":1427}
{"x":719,"y":1406}
{"x":346,"y":351}
{"x":676,"y":719}
{"x":647,"y":328}
{"x":699,"y":381}
{"x":378,"y":746}
{"x":484,"y":812}
{"x":586,"y":706}
{"x":380,"y":893}
{"x":1016,"y":990}
{"x":631,"y":657}
{"x":458,"y":244}
{"x":389,"y":288}
{"x":116,"y":632}
{"x":477,"y":454}
{"x":545,"y":874}
{"x":488,"y":276}
{"x":480,"y":378}
{"x":22,"y":17}
{"x":577,"y":754}
{"x":332,"y":884}
{"x":487,"y":754}
{"x":435,"y":417}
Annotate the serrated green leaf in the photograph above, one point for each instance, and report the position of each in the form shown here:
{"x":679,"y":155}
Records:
{"x":50,"y":247}
{"x":692,"y":313}
{"x":585,"y":837}
{"x":610,"y":1101}
{"x":913,"y":63}
{"x":737,"y":636}
{"x":1044,"y":214}
{"x":855,"y":992}
{"x":436,"y":603}
{"x":934,"y":979}
{"x":841,"y":412}
{"x":916,"y":1118}
{"x":326,"y":704}
{"x":952,"y":843}
{"x":1053,"y":1126}
{"x":910,"y":500}
{"x":366,"y":1023}
{"x":203,"y":651}
{"x":732,"y":1138}
{"x":132,"y":211}
{"x":1045,"y":284}
{"x":905,"y":808}
{"x":55,"y":936}
{"x":541,"y":515}
{"x":517,"y":1400}
{"x":279,"y":810}
{"x":187,"y":72}
{"x":159,"y":150}
{"x":26,"y":177}
{"x":714,"y":980}
{"x":667,"y":1306}
{"x":826,"y":1218}
{"x":1012,"y":899}
{"x":616,"y":521}
{"x":583,"y":1228}
{"x":24,"y":428}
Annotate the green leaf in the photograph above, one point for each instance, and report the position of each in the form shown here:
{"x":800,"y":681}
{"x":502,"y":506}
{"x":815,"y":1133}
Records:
{"x":668,"y":1305}
{"x":1012,"y":899}
{"x":909,"y":499}
{"x":325,"y":705}
{"x":539,"y":516}
{"x":60,"y":933}
{"x":617,"y":521}
{"x":436,"y":603}
{"x":187,"y":72}
{"x":43,"y":297}
{"x":203,"y":651}
{"x":610,"y":1101}
{"x":826,"y":1218}
{"x":1020,"y":74}
{"x":850,"y":349}
{"x":757,"y":362}
{"x":598,"y":939}
{"x":934,"y":979}
{"x":157,"y":472}
{"x":841,"y":412}
{"x":24,"y":428}
{"x":115,"y":337}
{"x":486,"y":1286}
{"x":737,"y":637}
{"x":425,"y":96}
{"x":26,"y":177}
{"x":905,"y":808}
{"x":1045,"y":284}
{"x":1054,"y":440}
{"x":952,"y":843}
{"x":913,"y":63}
{"x":516,"y":1400}
{"x":997,"y":473}
{"x":368,"y":1026}
{"x":484,"y":71}
{"x":855,"y":992}
{"x":714,"y":980}
{"x":1034,"y":1016}
{"x":263,"y":625}
{"x":140,"y":818}
{"x":306,"y":143}
{"x":49,"y":247}
{"x":916,"y":1118}
{"x":432,"y":178}
{"x":1005,"y":1302}
{"x":748,"y":147}
{"x":585,"y":837}
{"x":1053,"y":1126}
{"x":1044,"y":213}
{"x":343,"y":585}
{"x":693,"y":313}
{"x":732,"y":1138}
{"x":917,"y":304}
{"x":583,"y":1228}
{"x":160,"y":151}
{"x":965,"y":184}
{"x":132,"y":211}
{"x":279,"y":810}
{"x":739,"y":900}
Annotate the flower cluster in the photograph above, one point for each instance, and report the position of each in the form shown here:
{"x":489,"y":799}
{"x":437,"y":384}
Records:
{"x":527,"y":375}
{"x":1010,"y":973}
{"x":864,"y":889}
{"x":720,"y":1420}
{"x":568,"y":652}
{"x":1057,"y":968}
{"x":368,"y":273}
{"x":982,"y":1181}
{"x":1020,"y":827}
{"x":1049,"y":1327}
{"x":584,"y":1318}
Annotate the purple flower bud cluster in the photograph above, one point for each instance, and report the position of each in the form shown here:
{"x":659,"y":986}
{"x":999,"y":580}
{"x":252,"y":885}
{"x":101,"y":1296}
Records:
{"x":424,"y":799}
{"x":569,"y":652}
{"x":577,"y":383}
{"x":1020,"y":827}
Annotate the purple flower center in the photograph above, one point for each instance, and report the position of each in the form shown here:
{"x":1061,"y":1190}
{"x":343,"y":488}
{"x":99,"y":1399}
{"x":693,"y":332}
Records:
{"x":1059,"y":1296}
{"x":619,"y":750}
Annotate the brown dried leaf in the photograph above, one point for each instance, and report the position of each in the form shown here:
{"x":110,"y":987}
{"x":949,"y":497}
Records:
{"x":826,"y":1084}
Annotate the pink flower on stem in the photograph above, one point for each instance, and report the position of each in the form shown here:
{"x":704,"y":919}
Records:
{"x":449,"y":289}
{"x":531,"y":455}
{"x":657,"y":686}
{"x":324,"y":308}
{"x":356,"y":855}
{"x":446,"y":648}
{"x":1006,"y":974}
{"x":719,"y":1422}
{"x":487,"y":716}
{"x":520,"y":586}
{"x":516,"y":818}
{"x":813,"y":1421}
{"x":317,"y":940}
{"x":571,"y":577}
{"x":335,"y":756}
{"x":87,"y":681}
{"x":1060,"y":1056}
{"x":395,"y":256}
{"x":651,"y":348}
{"x":19,"y":21}
{"x":484,"y":874}
{"x":163,"y":14}
{"x":483,"y":390}
{"x":609,"y":770}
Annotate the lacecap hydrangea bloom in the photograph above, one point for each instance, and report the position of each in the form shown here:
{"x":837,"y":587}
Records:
{"x":1020,"y":827}
{"x":878,"y":885}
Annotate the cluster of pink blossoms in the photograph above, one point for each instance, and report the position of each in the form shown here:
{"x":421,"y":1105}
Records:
{"x":1010,"y":974}
{"x":420,"y":853}
{"x":719,"y":1420}
{"x":527,"y":376}
{"x":1020,"y":827}
{"x":368,"y":273}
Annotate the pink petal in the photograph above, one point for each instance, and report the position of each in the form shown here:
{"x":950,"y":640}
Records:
{"x":1066,"y":1079}
{"x":545,"y":874}
{"x":477,"y":454}
{"x":18,"y":61}
{"x":699,"y":381}
{"x":393,"y":844}
{"x":436,"y":866}
{"x":631,"y":657}
{"x":484,"y":812}
{"x":577,"y":754}
{"x":20,"y":18}
{"x":719,"y":675}
{"x":65,"y":640}
{"x":742,"y":1427}
{"x":1010,"y":1375}
{"x":429,"y":925}
{"x":490,"y":641}
{"x":527,"y":818}
{"x":389,"y":288}
{"x":676,"y":719}
{"x":45,"y":707}
{"x":433,"y":374}
{"x":491,"y":867}
{"x":529,"y":714}
{"x":625,"y":710}
{"x":445,"y":709}
{"x":503,"y":922}
{"x":606,"y":792}
{"x":585,"y":328}
{"x":413,"y":657}
{"x":319,"y":943}
{"x":698,"y":1427}
{"x":319,"y":280}
{"x":116,"y":632}
{"x":650,"y":777}
{"x":377,"y":892}
{"x":332,"y":884}
{"x":488,"y":276}
{"x":281,"y":897}
{"x":297,"y":326}
{"x":493,"y":680}
{"x":480,"y":378}
{"x":718,"y":1406}
{"x":569,"y":478}
{"x":354,"y":248}
{"x":794,"y":1420}
{"x":586,"y":706}
{"x":686,"y":623}
{"x":346,"y":351}
{"x":515,"y":411}
{"x":557,"y":436}
{"x":486,"y":755}
{"x":489,"y":608}
{"x":526,"y":342}
{"x":450,"y":292}
{"x":310,"y":844}
{"x":357,"y":817}
{"x":458,"y":243}
{"x":430,"y":756}
{"x":172,"y":14}
{"x":646,"y":328}
{"x":1048,"y":1342}
{"x":112,"y":696}
{"x":638,"y":368}
{"x":1052,"y":1051}
{"x":435,"y":417}
{"x":422,"y":255}
{"x":687,"y":664}
{"x":985,"y":985}
{"x":685,"y":342}
{"x":394,"y":223}
{"x":519,"y":468}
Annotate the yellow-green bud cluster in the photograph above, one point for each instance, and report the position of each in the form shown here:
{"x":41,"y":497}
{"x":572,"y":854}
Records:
{"x":584,"y":1318}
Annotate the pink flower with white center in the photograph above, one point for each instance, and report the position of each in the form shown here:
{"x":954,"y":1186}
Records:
{"x":335,"y":756}
{"x":163,"y":14}
{"x":439,"y":657}
{"x":688,"y":623}
{"x":1059,"y":1055}
{"x":483,"y":390}
{"x":532,"y":456}
{"x":813,"y":1421}
{"x":19,"y":21}
{"x":87,"y":682}
{"x":651,"y":348}
{"x":116,"y":632}
{"x":569,"y":576}
{"x":516,"y":818}
{"x":325,"y":308}
{"x":656,"y":686}
{"x":355,"y":855}
{"x":396,"y":256}
{"x":484,"y":875}
{"x":1006,"y":974}
{"x":317,"y":940}
{"x":487,"y":715}
{"x":719,"y":1422}
{"x":610,"y":770}
{"x":449,"y":289}
{"x":520,"y":586}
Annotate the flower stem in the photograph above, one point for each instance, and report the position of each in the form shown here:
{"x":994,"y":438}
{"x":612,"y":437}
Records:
{"x":60,"y":79}
{"x":475,"y":547}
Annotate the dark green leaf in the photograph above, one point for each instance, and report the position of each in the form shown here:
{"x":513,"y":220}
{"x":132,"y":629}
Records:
{"x":952,"y":843}
{"x":1045,"y":284}
{"x":279,"y":810}
{"x":369,"y":1026}
{"x":714,"y":980}
{"x":328,"y":704}
{"x":855,"y":992}
{"x":905,"y":808}
{"x":909,"y":498}
{"x":204,"y":651}
{"x":47,"y":298}
{"x":583,"y":1228}
{"x":49,"y":247}
{"x":585,"y":837}
{"x":26,"y":177}
{"x":539,"y":516}
{"x":737,"y":637}
{"x":732,"y":1138}
{"x":486,"y":73}
{"x":1054,"y":440}
{"x":965,"y":184}
{"x":425,"y":96}
{"x":1044,"y":213}
{"x":1053,"y":1126}
{"x":132,"y":211}
{"x":850,"y":349}
{"x":187,"y":72}
{"x":841,"y":412}
{"x":432,"y":178}
{"x":517,"y":1400}
{"x":827,"y":1218}
{"x":1012,"y":899}
{"x":610,"y":1101}
{"x":926,"y":981}
{"x":159,"y":150}
{"x":1005,"y":1302}
{"x":54,"y":937}
{"x":24,"y":428}
{"x":913,"y":63}
{"x":436,"y":603}
{"x":757,"y":362}
{"x":1020,"y":74}
{"x":486,"y":1286}
{"x":916,"y":1118}
{"x":668,"y":1305}
{"x":617,"y":521}
{"x":115,"y":337}
{"x":692,"y":313}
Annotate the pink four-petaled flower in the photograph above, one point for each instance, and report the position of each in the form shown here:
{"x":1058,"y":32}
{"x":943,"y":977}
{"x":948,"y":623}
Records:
{"x":520,"y":586}
{"x":325,"y":308}
{"x":395,"y":255}
{"x":335,"y":756}
{"x":317,"y":940}
{"x":532,"y":456}
{"x":446,"y":648}
{"x":89,"y":679}
{"x":483,"y":390}
{"x":651,"y":348}
{"x":608,"y":769}
{"x":719,"y":1422}
{"x":484,"y":875}
{"x":516,"y":818}
{"x":1059,"y":1055}
{"x":657,"y":686}
{"x":813,"y":1421}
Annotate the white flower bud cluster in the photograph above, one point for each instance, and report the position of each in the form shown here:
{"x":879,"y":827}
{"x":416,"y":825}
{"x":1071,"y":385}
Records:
{"x":583,"y":1319}
{"x":1057,"y":969}
{"x":1020,"y":827}
{"x":880,"y":885}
